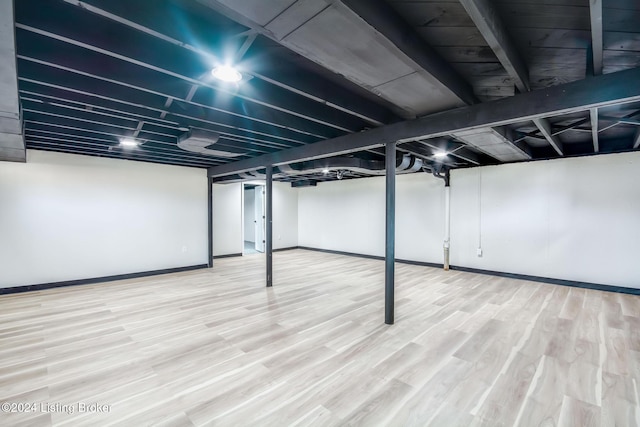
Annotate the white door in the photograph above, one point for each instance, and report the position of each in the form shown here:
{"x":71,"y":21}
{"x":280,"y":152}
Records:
{"x":260,"y":219}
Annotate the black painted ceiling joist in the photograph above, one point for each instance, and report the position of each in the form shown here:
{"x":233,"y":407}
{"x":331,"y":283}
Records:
{"x":485,"y":16}
{"x":130,"y":83}
{"x":96,"y":115}
{"x":384,"y":19}
{"x":597,"y":40}
{"x":609,"y":89}
{"x":163,"y":150}
{"x":198,"y":117}
{"x":87,"y":33}
{"x":263,"y":66}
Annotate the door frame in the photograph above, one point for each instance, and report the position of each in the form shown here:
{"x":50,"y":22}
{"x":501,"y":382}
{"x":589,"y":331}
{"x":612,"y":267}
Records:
{"x":253,"y":185}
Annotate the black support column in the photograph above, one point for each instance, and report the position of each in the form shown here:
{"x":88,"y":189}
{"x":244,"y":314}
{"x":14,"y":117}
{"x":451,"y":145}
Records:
{"x":390,"y":233}
{"x":210,"y":226}
{"x":269,"y":248}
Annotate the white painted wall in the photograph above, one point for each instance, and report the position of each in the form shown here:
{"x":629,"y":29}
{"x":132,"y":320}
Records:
{"x":349,"y":216}
{"x":575,"y":219}
{"x":249,"y":215}
{"x":285,"y":215}
{"x":67,"y":217}
{"x":343,"y":215}
{"x":227,"y":219}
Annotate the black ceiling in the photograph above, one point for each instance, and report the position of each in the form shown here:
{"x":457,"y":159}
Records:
{"x":92,"y":72}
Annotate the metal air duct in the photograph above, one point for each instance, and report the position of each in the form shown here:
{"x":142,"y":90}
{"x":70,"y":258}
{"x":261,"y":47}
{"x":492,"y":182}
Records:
{"x":197,"y":141}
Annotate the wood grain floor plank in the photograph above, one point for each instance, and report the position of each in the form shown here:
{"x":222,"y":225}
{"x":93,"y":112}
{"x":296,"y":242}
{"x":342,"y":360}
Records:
{"x":576,"y":413}
{"x":215,"y":347}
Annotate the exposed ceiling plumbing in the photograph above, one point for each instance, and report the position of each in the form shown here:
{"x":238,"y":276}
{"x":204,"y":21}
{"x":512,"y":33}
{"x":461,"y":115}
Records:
{"x":315,"y":71}
{"x":342,"y":166}
{"x":405,"y":164}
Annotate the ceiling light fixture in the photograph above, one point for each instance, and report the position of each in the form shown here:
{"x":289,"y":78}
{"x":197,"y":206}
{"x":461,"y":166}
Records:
{"x":226,"y":73}
{"x":325,"y":171}
{"x":128,"y":142}
{"x":440,"y":154}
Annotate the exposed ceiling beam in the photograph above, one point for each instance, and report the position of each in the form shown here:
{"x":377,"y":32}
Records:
{"x":545,"y":128}
{"x":268,"y":96}
{"x":85,"y":109}
{"x":121,"y":127}
{"x":636,"y":140}
{"x":92,"y":84}
{"x":572,"y":126}
{"x":386,"y":21}
{"x":486,"y":18}
{"x":119,"y":131}
{"x":68,"y":135}
{"x":595,"y":11}
{"x":510,"y":136}
{"x":337,"y":97}
{"x":191,"y":93}
{"x":12,"y":146}
{"x":72,"y":149}
{"x":61,"y":131}
{"x":284,"y":20}
{"x":621,"y":120}
{"x":557,"y":131}
{"x":488,"y":22}
{"x":79,"y":101}
{"x":593,"y":112}
{"x":610,"y":89}
{"x":322,"y":90}
{"x":245,"y":47}
{"x":167,"y":104}
{"x":454,"y":149}
{"x":33,"y":139}
{"x":57,"y":112}
{"x":418,"y":149}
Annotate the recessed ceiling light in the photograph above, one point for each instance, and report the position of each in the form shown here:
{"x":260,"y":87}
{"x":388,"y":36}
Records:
{"x":226,"y":73}
{"x":440,"y":154}
{"x":128,"y":142}
{"x":325,"y":171}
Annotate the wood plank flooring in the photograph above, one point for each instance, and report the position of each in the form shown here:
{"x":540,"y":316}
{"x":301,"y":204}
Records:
{"x":215,"y":347}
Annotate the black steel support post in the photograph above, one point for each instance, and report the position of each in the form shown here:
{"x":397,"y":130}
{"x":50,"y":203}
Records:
{"x":210,"y":223}
{"x":390,"y":233}
{"x":269,"y":214}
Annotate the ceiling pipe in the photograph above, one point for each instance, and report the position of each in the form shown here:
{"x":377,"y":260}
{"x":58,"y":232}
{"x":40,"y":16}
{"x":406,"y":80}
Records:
{"x":407,"y":164}
{"x":446,"y":176}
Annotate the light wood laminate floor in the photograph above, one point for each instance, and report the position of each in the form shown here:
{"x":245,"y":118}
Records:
{"x":215,"y":347}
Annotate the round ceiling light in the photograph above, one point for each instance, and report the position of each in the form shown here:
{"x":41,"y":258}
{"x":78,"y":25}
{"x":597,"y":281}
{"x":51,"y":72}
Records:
{"x":226,"y":73}
{"x":128,"y":142}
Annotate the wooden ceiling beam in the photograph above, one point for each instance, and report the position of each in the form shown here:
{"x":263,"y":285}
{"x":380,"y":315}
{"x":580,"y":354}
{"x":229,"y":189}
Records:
{"x":595,"y":12}
{"x":488,"y":22}
{"x":605,"y":90}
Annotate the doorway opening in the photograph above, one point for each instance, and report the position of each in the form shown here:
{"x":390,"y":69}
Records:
{"x":254,"y":223}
